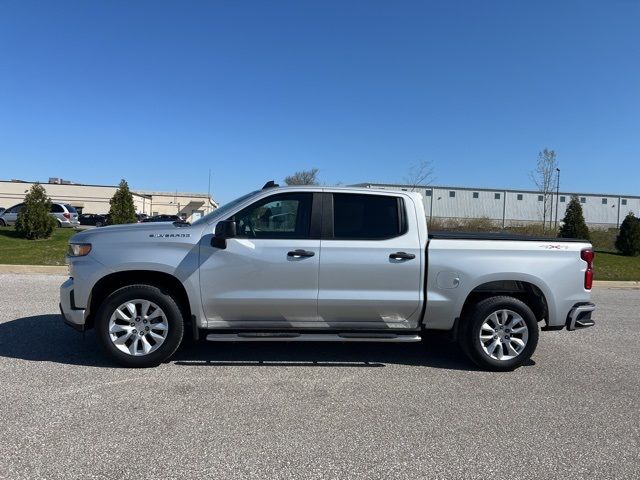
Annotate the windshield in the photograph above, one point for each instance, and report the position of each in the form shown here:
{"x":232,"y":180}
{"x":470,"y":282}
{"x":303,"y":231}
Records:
{"x":220,"y":212}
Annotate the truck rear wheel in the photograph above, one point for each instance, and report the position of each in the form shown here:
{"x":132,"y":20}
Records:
{"x":499,"y":333}
{"x":139,"y":326}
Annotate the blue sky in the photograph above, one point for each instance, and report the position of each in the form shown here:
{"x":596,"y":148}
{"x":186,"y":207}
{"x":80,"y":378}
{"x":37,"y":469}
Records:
{"x":159,"y":92}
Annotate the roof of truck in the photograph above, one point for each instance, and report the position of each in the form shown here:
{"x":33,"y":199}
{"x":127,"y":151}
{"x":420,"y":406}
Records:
{"x":385,"y":191}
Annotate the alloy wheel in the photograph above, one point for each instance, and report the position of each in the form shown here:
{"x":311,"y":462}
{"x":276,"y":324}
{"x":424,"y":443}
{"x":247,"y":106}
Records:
{"x":138,"y":327}
{"x":503,"y":335}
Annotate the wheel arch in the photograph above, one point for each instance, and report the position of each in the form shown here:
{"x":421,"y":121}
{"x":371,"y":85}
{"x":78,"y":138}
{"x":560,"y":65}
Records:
{"x":114,"y":281}
{"x":529,"y":293}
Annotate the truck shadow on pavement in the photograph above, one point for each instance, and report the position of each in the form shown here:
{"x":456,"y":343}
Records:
{"x":44,"y":338}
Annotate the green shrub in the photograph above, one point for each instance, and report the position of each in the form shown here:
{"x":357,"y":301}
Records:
{"x":34,"y":220}
{"x":122,"y":209}
{"x":574,"y":225}
{"x":604,"y":240}
{"x":628,"y":241}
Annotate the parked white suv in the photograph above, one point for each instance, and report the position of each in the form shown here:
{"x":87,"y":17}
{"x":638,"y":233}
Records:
{"x":65,"y":215}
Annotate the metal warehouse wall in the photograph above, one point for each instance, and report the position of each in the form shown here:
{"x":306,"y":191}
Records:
{"x":516,"y":206}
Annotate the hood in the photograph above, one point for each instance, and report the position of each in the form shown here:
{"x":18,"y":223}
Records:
{"x":130,"y":230}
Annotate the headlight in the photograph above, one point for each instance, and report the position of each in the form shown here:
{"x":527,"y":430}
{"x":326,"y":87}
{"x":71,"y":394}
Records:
{"x":79,"y":249}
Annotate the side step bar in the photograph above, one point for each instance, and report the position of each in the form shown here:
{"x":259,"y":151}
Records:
{"x":311,"y":337}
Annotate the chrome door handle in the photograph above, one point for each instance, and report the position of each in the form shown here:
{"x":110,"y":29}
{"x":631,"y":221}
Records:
{"x":300,"y":253}
{"x":402,"y":256}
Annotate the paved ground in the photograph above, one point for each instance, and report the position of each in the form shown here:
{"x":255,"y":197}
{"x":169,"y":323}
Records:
{"x":315,"y":411}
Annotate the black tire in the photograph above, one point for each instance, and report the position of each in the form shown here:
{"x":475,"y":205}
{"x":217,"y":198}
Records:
{"x":474,"y":317}
{"x":2,"y":223}
{"x":162,"y":299}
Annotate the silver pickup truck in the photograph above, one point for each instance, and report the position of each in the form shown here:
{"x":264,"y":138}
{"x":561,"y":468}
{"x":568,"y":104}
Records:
{"x":322,"y":264}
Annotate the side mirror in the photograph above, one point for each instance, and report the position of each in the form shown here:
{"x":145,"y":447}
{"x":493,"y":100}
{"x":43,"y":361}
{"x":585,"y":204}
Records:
{"x":224,"y":229}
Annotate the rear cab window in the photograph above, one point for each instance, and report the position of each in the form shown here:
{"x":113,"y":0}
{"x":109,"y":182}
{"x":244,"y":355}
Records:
{"x":367,"y":217}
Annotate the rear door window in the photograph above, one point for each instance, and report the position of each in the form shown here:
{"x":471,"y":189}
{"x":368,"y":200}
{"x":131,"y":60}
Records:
{"x":367,"y":217}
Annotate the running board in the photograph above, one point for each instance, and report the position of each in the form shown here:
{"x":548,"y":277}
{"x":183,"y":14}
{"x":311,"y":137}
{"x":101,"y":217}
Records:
{"x":311,"y":337}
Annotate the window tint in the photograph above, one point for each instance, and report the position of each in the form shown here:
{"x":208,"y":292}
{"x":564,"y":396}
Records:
{"x":55,"y":208}
{"x":17,"y":209}
{"x":366,"y":217}
{"x":71,"y":209}
{"x":287,"y":215}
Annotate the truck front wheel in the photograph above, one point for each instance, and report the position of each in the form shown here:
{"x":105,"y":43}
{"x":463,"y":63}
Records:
{"x":499,"y":333}
{"x":139,"y":326}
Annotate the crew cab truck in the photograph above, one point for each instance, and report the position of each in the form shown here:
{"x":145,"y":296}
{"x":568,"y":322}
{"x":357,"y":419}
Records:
{"x":322,"y":264}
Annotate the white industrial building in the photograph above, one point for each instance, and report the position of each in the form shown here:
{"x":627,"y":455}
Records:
{"x":510,"y":207}
{"x":95,"y":198}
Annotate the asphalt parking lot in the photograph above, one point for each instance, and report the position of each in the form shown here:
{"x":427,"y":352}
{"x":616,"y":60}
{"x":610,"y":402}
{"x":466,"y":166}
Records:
{"x":315,"y":411}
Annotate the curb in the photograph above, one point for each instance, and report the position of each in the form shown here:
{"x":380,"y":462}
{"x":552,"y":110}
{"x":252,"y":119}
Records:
{"x":616,"y":284}
{"x":35,"y":269}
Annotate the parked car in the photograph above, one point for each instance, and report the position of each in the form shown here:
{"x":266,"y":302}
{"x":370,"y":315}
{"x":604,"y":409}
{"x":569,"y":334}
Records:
{"x":162,"y":218}
{"x":141,"y":217}
{"x":323,"y":264}
{"x":65,"y":215}
{"x":2,"y":209}
{"x":95,"y":219}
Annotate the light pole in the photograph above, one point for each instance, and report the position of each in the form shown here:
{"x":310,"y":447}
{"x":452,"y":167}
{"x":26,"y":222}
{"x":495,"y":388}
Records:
{"x":209,"y":192}
{"x":557,"y":194}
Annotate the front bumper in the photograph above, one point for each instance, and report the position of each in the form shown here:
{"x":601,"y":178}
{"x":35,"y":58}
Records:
{"x":74,"y":317}
{"x":580,"y":316}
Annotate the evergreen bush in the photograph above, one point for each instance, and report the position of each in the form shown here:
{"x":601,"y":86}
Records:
{"x":122,"y":209}
{"x":628,"y":241}
{"x":574,"y":225}
{"x":34,"y":220}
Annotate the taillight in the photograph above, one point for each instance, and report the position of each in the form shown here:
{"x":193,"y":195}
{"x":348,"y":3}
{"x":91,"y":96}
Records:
{"x":588,"y":256}
{"x":66,"y":215}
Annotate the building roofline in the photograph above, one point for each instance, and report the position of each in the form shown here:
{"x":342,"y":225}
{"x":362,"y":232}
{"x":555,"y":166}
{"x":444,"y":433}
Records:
{"x":483,"y":189}
{"x":61,"y":184}
{"x":140,"y":193}
{"x":180,"y":194}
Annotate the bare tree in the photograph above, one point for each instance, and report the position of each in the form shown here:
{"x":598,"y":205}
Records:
{"x":543,"y":177}
{"x":419,"y":174}
{"x":303,"y":177}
